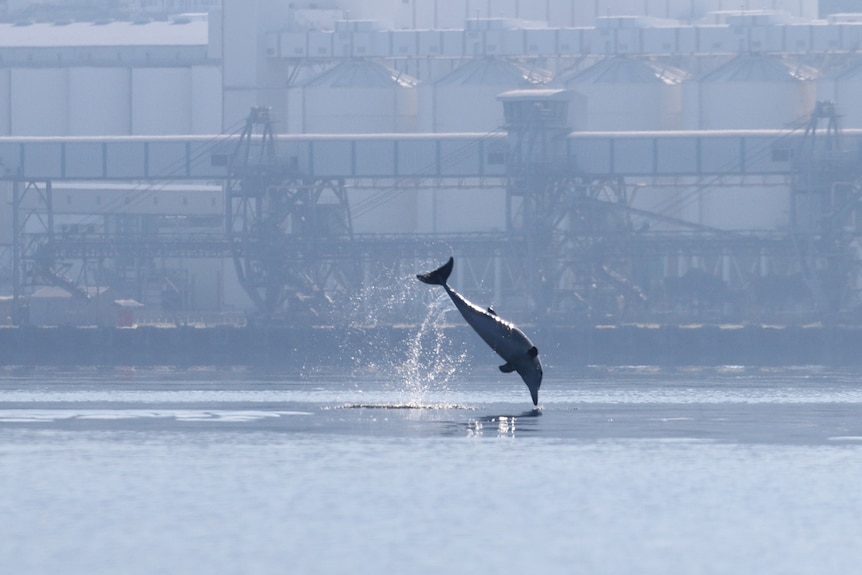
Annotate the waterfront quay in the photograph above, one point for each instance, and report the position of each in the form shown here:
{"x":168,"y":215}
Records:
{"x":283,"y":347}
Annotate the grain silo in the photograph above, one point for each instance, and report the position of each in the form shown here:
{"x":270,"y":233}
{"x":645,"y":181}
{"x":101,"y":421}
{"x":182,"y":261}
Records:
{"x":99,"y":99}
{"x":751,"y":91}
{"x":465,"y":100}
{"x":844,"y":88}
{"x":628,"y":94}
{"x":5,"y":101}
{"x":206,"y":110}
{"x":39,"y":102}
{"x":161,"y":101}
{"x":358,"y":96}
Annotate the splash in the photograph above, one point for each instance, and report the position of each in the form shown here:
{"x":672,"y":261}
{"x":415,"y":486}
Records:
{"x":417,"y":374}
{"x":431,"y":362}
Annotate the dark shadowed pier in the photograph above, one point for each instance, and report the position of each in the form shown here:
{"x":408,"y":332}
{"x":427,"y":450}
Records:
{"x":308,"y":347}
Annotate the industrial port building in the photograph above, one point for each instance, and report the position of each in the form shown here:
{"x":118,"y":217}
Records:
{"x":651,"y":162}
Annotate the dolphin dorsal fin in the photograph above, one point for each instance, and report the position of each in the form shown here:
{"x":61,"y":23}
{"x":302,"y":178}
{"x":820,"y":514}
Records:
{"x":532,"y":352}
{"x":491,"y":310}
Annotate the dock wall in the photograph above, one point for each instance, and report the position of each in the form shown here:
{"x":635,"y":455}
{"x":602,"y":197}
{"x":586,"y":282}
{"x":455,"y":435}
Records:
{"x":291,"y":347}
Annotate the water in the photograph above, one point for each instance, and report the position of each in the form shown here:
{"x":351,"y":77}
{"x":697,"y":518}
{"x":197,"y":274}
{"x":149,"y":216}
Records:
{"x":624,"y":470}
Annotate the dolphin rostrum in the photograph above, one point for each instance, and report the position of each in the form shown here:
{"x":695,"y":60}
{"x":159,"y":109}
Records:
{"x":508,"y":341}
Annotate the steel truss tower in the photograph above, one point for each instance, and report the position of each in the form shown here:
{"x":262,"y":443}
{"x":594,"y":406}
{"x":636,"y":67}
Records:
{"x":827,"y":191}
{"x":32,"y":228}
{"x":585,"y":250}
{"x":290,"y":235}
{"x":569,"y":230}
{"x":36,"y":257}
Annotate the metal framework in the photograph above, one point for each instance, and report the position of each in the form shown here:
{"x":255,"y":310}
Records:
{"x":574,"y":243}
{"x":826,"y":196}
{"x":573,"y":232}
{"x":584,"y":249}
{"x":290,"y":234}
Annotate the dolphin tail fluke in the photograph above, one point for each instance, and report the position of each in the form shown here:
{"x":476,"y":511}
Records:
{"x":439,"y":276}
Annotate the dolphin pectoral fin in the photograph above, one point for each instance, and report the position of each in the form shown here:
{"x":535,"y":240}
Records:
{"x":534,"y":395}
{"x":491,"y":311}
{"x":532,"y":352}
{"x":507,"y":368}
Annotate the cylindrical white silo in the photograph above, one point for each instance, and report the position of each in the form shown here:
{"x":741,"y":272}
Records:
{"x":465,"y":210}
{"x":465,"y":100}
{"x":39,"y":102}
{"x":751,"y":92}
{"x":161,"y":101}
{"x":846,"y":86}
{"x":206,"y":100}
{"x":99,"y":101}
{"x":743,"y":207}
{"x":292,"y":110}
{"x":5,"y":102}
{"x":396,"y":215}
{"x":6,"y":235}
{"x":359,"y":97}
{"x":628,"y":94}
{"x":294,"y":115}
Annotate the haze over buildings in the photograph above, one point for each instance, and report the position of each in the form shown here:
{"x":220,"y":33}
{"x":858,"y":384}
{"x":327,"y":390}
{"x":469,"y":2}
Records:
{"x":399,"y":75}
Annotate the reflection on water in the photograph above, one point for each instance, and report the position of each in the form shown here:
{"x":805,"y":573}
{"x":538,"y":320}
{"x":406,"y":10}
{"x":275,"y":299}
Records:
{"x":410,"y":406}
{"x":502,"y":425}
{"x":167,"y":415}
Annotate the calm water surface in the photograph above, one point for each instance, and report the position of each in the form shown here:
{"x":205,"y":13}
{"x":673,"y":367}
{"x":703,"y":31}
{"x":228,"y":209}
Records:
{"x":623,"y":470}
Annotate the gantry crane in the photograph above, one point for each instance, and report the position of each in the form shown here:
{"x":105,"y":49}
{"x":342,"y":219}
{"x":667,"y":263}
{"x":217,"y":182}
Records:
{"x":290,"y":234}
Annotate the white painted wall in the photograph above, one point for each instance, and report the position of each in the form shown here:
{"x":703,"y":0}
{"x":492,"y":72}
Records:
{"x":743,"y":206}
{"x":464,"y":108}
{"x":5,"y":101}
{"x":844,"y":89}
{"x":99,"y":101}
{"x":461,"y":210}
{"x":357,"y":110}
{"x":39,"y":102}
{"x":206,"y":103}
{"x":747,"y":105}
{"x":248,"y":78}
{"x":161,"y":101}
{"x":630,"y":106}
{"x":107,"y":101}
{"x":398,"y":215}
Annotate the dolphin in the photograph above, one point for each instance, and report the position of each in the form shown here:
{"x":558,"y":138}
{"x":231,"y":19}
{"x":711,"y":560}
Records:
{"x":508,"y":341}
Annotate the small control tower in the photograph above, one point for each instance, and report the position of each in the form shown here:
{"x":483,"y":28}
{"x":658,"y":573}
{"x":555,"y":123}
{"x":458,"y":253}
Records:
{"x":537,"y":123}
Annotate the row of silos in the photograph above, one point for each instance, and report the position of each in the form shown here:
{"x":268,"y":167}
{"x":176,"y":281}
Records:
{"x":363,"y":96}
{"x":104,"y":100}
{"x":617,"y":93}
{"x":354,"y":97}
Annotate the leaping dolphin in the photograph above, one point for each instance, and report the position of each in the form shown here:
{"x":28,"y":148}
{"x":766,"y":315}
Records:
{"x":508,"y":341}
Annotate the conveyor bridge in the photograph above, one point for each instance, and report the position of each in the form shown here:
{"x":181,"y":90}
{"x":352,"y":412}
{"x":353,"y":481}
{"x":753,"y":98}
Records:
{"x":589,"y":221}
{"x":424,"y":156}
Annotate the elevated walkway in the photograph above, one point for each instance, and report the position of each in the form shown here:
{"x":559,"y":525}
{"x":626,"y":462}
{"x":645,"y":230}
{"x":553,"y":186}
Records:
{"x":404,"y":156}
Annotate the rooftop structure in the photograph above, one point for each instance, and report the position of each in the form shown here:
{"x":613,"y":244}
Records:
{"x":182,"y":30}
